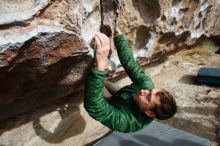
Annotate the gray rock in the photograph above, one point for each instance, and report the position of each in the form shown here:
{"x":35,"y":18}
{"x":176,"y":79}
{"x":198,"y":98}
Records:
{"x":20,"y":11}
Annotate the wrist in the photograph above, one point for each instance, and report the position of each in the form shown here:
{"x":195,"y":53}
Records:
{"x":100,"y":67}
{"x":117,"y":32}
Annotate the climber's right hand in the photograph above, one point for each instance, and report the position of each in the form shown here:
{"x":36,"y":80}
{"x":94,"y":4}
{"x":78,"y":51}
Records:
{"x":102,"y":51}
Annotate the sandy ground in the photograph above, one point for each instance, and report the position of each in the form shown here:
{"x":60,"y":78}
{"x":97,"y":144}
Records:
{"x":198,"y":105}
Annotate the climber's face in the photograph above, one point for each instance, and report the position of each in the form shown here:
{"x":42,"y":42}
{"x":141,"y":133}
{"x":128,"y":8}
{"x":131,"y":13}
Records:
{"x":147,"y":100}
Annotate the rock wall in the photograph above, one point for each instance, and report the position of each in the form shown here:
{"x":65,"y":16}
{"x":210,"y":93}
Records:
{"x":45,"y":47}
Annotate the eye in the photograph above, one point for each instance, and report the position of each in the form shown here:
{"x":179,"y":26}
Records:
{"x":159,"y":94}
{"x":149,"y":97}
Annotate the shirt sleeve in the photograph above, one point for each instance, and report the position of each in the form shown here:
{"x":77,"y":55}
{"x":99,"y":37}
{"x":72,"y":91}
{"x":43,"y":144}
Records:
{"x":134,"y":71}
{"x":98,"y":108}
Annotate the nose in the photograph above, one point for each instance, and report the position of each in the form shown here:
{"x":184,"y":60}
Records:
{"x":144,"y":92}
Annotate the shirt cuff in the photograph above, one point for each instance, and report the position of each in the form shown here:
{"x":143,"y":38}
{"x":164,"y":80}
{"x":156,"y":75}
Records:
{"x":120,"y":37}
{"x":98,"y":73}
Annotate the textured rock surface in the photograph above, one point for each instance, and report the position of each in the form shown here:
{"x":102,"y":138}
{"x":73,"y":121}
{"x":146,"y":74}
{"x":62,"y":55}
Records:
{"x":30,"y":63}
{"x":45,"y":44}
{"x":20,"y":11}
{"x":167,"y":24}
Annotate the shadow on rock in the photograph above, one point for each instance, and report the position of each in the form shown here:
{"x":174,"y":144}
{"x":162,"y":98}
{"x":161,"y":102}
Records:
{"x":67,"y":120}
{"x":189,"y":79}
{"x":71,"y":124}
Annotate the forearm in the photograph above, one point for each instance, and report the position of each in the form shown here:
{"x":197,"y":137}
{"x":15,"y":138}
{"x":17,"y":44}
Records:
{"x":94,"y":102}
{"x":134,"y":71}
{"x":93,"y":89}
{"x":124,"y":52}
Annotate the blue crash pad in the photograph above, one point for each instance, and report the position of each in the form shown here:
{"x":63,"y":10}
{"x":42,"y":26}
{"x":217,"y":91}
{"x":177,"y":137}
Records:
{"x":155,"y":134}
{"x":209,"y":76}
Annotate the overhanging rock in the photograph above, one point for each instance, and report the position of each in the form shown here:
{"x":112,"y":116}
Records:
{"x":45,"y":48}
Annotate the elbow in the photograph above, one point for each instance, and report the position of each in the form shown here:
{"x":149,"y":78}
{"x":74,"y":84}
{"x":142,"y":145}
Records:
{"x":92,"y":111}
{"x":89,"y":111}
{"x":86,"y":105}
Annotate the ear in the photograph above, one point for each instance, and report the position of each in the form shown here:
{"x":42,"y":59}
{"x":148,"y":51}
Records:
{"x":150,"y":114}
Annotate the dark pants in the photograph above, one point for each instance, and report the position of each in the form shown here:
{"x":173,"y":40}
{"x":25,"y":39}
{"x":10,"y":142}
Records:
{"x":110,"y":89}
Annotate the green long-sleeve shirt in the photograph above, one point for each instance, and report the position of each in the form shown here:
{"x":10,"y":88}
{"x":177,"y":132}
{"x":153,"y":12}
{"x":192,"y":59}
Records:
{"x":121,"y":113}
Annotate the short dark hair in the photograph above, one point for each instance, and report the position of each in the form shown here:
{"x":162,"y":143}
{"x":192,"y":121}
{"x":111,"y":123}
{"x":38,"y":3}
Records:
{"x":167,"y":107}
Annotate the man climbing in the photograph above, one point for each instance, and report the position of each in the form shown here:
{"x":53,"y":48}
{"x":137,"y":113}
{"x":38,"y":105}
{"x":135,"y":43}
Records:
{"x":133,"y":106}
